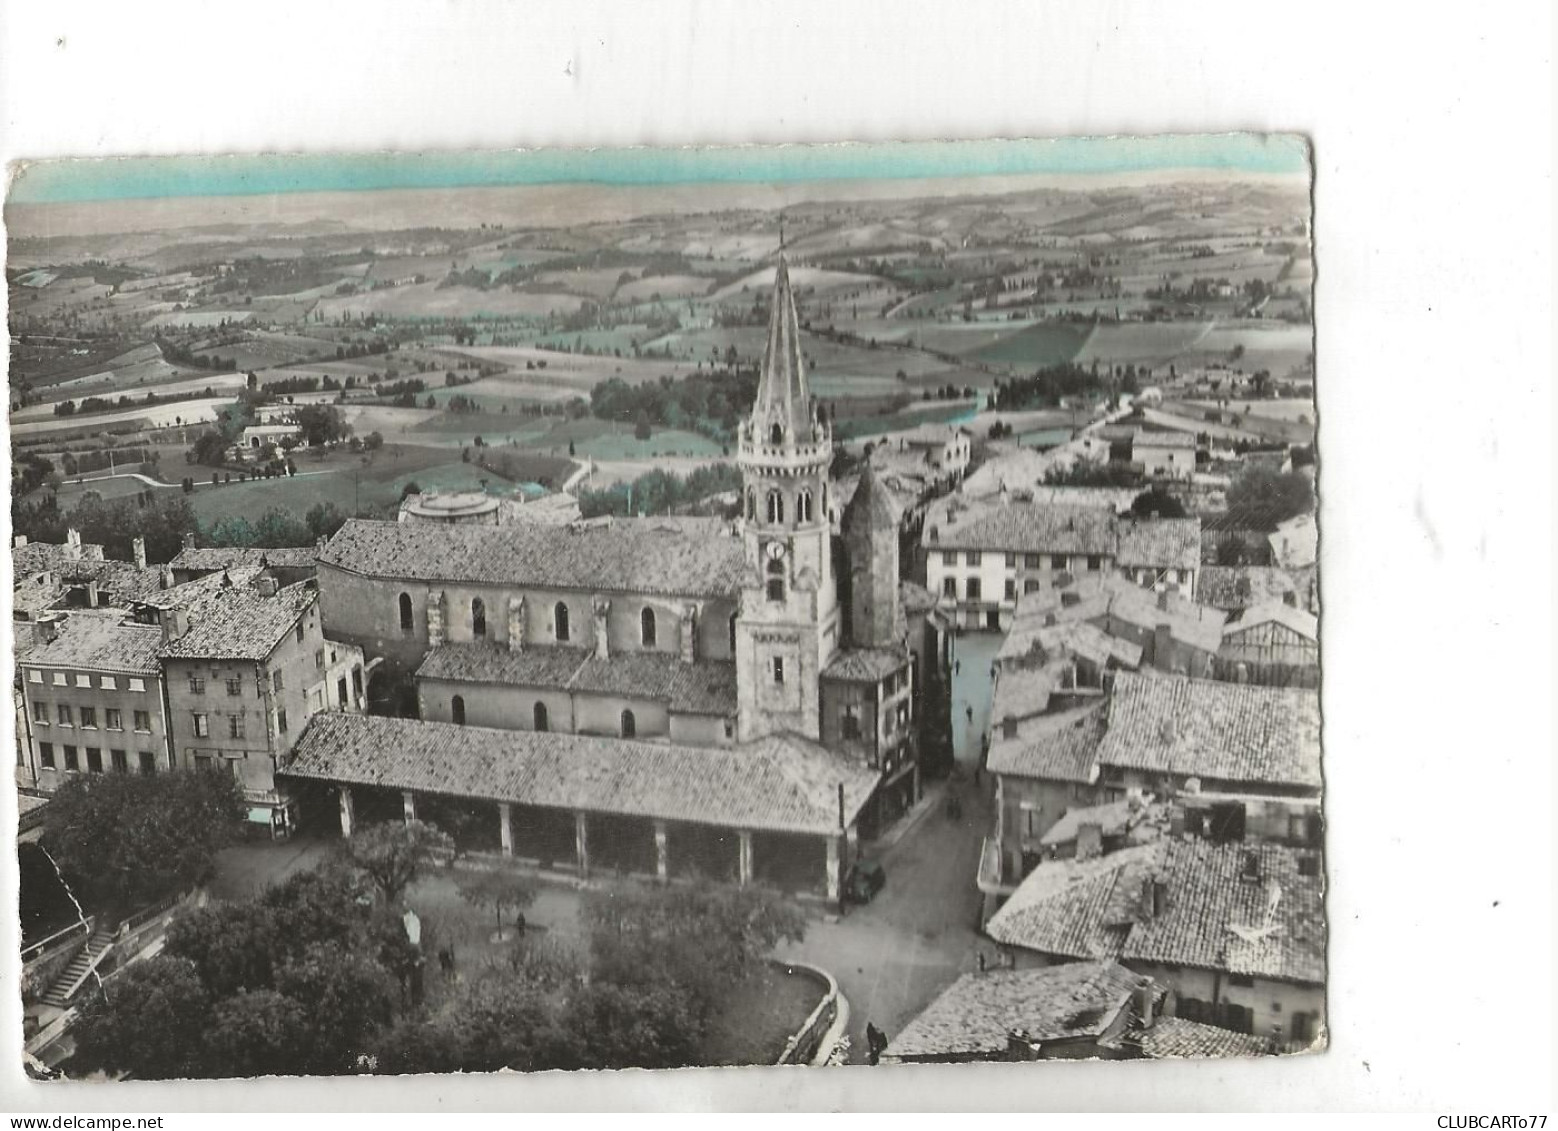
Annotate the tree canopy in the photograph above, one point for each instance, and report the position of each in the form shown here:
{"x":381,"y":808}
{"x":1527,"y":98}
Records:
{"x":392,"y":854}
{"x":1261,"y":498}
{"x":125,"y":840}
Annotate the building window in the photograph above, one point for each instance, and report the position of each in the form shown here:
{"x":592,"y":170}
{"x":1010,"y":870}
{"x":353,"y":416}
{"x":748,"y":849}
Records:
{"x":752,"y":504}
{"x":60,"y":680}
{"x":949,"y":587}
{"x":281,"y":719}
{"x":1011,"y":561}
{"x":83,"y":681}
{"x":775,"y":581}
{"x":478,"y":617}
{"x":197,"y":685}
{"x":234,"y":726}
{"x":1242,"y":980}
{"x":319,"y":659}
{"x":143,"y":721}
{"x":560,"y":621}
{"x":1033,"y":561}
{"x":89,"y":718}
{"x":850,"y":725}
{"x":113,"y":718}
{"x":407,"y":617}
{"x":34,"y":677}
{"x":949,"y":557}
{"x":72,"y":762}
{"x":201,"y":725}
{"x":1011,"y":589}
{"x":646,"y":627}
{"x":64,"y":716}
{"x":275,"y":681}
{"x":121,"y":761}
{"x":202,"y":761}
{"x":778,"y":669}
{"x":46,"y":754}
{"x":1095,"y":562}
{"x":94,"y":760}
{"x":776,"y":435}
{"x":109,"y":683}
{"x":775,"y":507}
{"x":974,"y":589}
{"x":803,"y":506}
{"x":457,"y":710}
{"x":1030,"y":586}
{"x":234,"y":686}
{"x":971,"y":557}
{"x":300,"y":632}
{"x":148,"y":762}
{"x":539,"y":714}
{"x":629,"y":725}
{"x":137,"y":685}
{"x":40,"y":713}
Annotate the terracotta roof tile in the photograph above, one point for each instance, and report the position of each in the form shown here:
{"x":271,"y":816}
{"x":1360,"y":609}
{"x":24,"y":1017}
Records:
{"x":865,"y":665}
{"x":623,"y":557}
{"x":1059,"y":747}
{"x":101,"y":642}
{"x":1160,"y":543}
{"x":1271,"y":926}
{"x":974,"y":1016}
{"x":1172,"y":1038}
{"x":1209,"y":729}
{"x":237,"y":623}
{"x":202,"y":558}
{"x":781,"y":783}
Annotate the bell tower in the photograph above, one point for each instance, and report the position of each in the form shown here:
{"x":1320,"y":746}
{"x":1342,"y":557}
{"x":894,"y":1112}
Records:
{"x":789,"y":624}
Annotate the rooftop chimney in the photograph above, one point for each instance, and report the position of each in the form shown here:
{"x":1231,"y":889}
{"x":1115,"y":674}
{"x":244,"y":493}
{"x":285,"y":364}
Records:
{"x":138,"y":551}
{"x":266,"y":586}
{"x":175,"y":623}
{"x":1020,"y":1046}
{"x":1145,"y":1001}
{"x":166,"y":577}
{"x":1249,"y":873}
{"x":1158,"y":895}
{"x":602,"y":636}
{"x":73,"y":545}
{"x":19,"y":541}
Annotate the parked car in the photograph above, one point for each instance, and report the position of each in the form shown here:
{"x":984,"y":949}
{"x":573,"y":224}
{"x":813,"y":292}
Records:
{"x":865,"y":879}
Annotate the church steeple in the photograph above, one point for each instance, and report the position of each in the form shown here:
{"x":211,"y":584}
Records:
{"x":783,"y":398}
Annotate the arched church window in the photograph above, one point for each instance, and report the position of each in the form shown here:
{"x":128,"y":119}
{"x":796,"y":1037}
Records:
{"x":646,"y":627}
{"x":541,"y":721}
{"x":407,"y":618}
{"x":560,"y":621}
{"x":803,"y":508}
{"x":775,"y":507}
{"x":478,"y":617}
{"x":457,"y":710}
{"x":629,"y":725}
{"x":776,"y":435}
{"x":752,"y":504}
{"x":776,"y":580}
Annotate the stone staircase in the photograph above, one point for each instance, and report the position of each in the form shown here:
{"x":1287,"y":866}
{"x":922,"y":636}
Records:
{"x":79,"y":972}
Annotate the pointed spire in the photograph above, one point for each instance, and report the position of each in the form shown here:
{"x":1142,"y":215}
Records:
{"x":783,"y":398}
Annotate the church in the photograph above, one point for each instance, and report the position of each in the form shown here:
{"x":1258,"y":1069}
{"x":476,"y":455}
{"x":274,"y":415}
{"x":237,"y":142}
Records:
{"x":673,"y":697}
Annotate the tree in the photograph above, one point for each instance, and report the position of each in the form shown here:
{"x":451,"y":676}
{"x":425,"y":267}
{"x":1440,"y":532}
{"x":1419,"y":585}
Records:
{"x":500,"y":892}
{"x":643,"y":429}
{"x":259,"y":1033}
{"x":321,"y":424}
{"x":1157,"y":503}
{"x":208,"y":448}
{"x":323,"y":520}
{"x":348,"y":994}
{"x":1261,"y":498}
{"x":373,"y":441}
{"x":124,"y":840}
{"x":411,"y":488}
{"x":392,"y":854}
{"x":151,"y":1026}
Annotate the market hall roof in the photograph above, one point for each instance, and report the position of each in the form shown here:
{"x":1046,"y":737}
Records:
{"x":623,"y":557}
{"x":781,"y":783}
{"x":707,"y":687}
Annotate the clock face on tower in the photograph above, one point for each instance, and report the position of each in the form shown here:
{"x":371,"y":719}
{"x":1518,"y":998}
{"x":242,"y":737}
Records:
{"x":775,"y":551}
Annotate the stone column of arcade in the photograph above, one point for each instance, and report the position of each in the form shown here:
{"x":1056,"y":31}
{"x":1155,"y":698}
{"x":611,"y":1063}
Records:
{"x":835,"y":887}
{"x":662,"y":852}
{"x":346,"y":811}
{"x":581,"y":843}
{"x":506,"y":827}
{"x":746,"y":868}
{"x":409,"y":800}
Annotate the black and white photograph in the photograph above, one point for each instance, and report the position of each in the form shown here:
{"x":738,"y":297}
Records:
{"x":820,"y":558}
{"x":734,"y":622}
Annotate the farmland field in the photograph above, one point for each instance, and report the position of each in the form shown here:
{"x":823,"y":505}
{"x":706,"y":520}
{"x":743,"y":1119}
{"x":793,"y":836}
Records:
{"x":201,"y":318}
{"x":1043,"y":343}
{"x":1149,"y":343}
{"x":215,"y":382}
{"x":152,"y":416}
{"x":428,"y":300}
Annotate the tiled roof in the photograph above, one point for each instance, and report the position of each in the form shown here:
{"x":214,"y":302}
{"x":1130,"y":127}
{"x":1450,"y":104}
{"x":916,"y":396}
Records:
{"x":101,"y":642}
{"x":1208,"y":729}
{"x":1174,"y":1038}
{"x":1272,"y":926}
{"x":205,"y":558}
{"x":1097,"y":598}
{"x":1113,"y":818}
{"x":1301,"y":621}
{"x":1160,"y":543}
{"x":35,"y":557}
{"x":1240,"y":587}
{"x":930,"y":433}
{"x":192,"y":592}
{"x":1022,"y":692}
{"x":865,"y":665}
{"x":977,"y":1012}
{"x":1145,"y":439}
{"x":32,"y":595}
{"x":781,"y":783}
{"x":996,"y":525}
{"x":704,"y":688}
{"x":1073,"y":638}
{"x":869,"y":507}
{"x":237,"y":623}
{"x":538,"y":666}
{"x":624,"y":557}
{"x":1059,"y":747}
